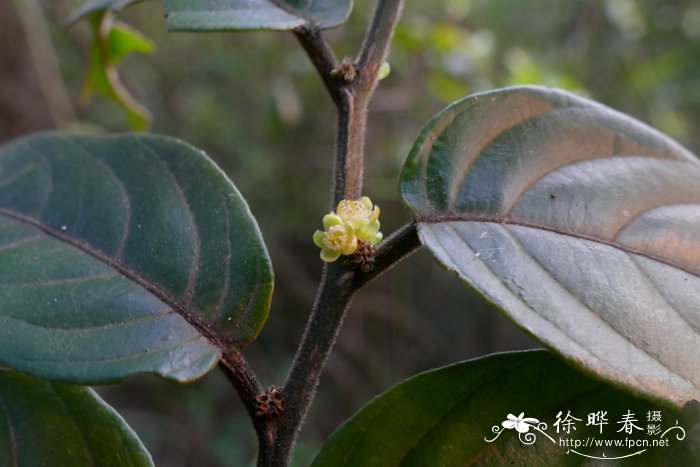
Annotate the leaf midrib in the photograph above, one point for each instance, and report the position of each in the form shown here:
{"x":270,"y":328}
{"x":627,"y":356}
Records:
{"x":215,"y":339}
{"x":580,"y":344}
{"x":509,"y":221}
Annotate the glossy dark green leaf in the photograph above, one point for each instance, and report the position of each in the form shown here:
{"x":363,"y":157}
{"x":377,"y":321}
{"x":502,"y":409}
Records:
{"x":123,"y":254}
{"x":453,"y":416}
{"x":580,"y":223}
{"x":229,"y":15}
{"x":54,"y":424}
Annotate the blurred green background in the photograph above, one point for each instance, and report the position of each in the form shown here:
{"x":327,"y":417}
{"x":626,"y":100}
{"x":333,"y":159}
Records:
{"x":254,"y":103}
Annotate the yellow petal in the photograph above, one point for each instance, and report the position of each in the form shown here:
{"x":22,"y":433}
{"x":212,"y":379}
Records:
{"x":329,"y":220}
{"x":368,"y":232}
{"x":366,"y":202}
{"x":342,"y":205}
{"x":329,"y":255}
{"x":374,"y":215}
{"x":358,"y":224}
{"x":351,"y":246}
{"x":318,"y":238}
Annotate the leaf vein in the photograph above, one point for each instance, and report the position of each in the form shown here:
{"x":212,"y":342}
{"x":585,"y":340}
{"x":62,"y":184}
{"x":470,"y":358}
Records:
{"x":227,"y":271}
{"x":216,"y":340}
{"x":633,"y":219}
{"x":20,"y":242}
{"x":87,"y":452}
{"x":63,"y":281}
{"x":196,"y":260}
{"x":509,"y":221}
{"x":458,"y":401}
{"x":663,"y":296}
{"x":122,"y":358}
{"x":19,"y":174}
{"x":49,"y":169}
{"x":88,"y":329}
{"x":527,"y":305}
{"x":124,"y":194}
{"x":653,"y":357}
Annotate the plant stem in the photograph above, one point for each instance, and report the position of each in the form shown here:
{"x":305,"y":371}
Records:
{"x":325,"y":62}
{"x":338,"y":285}
{"x":373,"y":53}
{"x":399,"y":245}
{"x":245,"y":382}
{"x":352,"y":98}
{"x":327,"y":315}
{"x":276,"y":438}
{"x":336,"y":290}
{"x":322,"y":57}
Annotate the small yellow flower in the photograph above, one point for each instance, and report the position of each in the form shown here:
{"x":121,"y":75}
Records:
{"x":363,"y":216}
{"x":355,"y":220}
{"x":337,"y":238}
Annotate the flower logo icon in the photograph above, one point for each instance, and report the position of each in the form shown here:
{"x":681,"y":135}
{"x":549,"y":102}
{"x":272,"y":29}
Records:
{"x":521,"y":424}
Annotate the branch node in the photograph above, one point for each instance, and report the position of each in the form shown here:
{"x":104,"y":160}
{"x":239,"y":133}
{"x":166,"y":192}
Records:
{"x":345,"y":71}
{"x":363,"y":257}
{"x":270,"y":404}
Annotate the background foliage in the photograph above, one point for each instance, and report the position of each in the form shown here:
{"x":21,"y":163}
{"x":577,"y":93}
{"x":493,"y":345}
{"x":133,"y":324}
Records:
{"x":256,"y":105}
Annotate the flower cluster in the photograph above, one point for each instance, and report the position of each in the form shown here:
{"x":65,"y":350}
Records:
{"x":353,"y":221}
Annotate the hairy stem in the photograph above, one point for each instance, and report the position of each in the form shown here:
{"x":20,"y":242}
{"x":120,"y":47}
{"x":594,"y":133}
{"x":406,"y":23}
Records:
{"x":340,"y":91}
{"x":327,"y":315}
{"x":322,"y":57}
{"x":334,"y":296}
{"x":399,"y":245}
{"x":352,"y":97}
{"x":351,"y":94}
{"x":245,"y":382}
{"x":375,"y":49}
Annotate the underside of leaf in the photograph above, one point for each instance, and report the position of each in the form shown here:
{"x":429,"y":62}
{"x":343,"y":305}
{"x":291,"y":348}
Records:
{"x":217,"y":15}
{"x":581,"y":223}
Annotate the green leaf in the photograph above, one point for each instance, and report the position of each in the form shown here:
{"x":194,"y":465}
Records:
{"x":452,"y":416}
{"x":123,"y":40}
{"x":112,"y":42}
{"x":124,"y":254}
{"x":44,"y":424}
{"x":580,"y":223}
{"x":230,"y":15}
